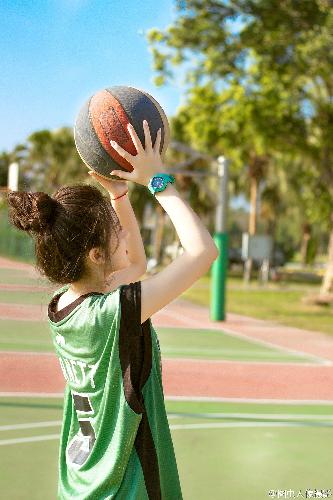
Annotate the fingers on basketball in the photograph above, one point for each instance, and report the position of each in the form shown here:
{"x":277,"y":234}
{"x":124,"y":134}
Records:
{"x":127,"y":156}
{"x":148,"y":144}
{"x":158,"y":141}
{"x":135,"y":138}
{"x":122,"y":152}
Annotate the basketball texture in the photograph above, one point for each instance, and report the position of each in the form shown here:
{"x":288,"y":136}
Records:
{"x":104,"y":117}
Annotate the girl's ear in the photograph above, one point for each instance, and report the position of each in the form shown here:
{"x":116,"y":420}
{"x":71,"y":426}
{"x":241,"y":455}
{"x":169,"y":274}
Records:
{"x":96,"y":255}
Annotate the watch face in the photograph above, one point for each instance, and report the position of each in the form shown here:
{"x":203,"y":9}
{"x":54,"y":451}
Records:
{"x":157,"y":182}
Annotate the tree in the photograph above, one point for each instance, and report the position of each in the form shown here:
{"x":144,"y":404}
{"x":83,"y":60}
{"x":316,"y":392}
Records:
{"x":281,"y":54}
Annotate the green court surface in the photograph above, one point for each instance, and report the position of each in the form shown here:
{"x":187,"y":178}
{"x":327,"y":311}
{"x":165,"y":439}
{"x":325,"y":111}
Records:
{"x":224,"y":450}
{"x":175,"y":343}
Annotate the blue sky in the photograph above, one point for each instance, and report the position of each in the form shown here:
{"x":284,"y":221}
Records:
{"x":56,"y":53}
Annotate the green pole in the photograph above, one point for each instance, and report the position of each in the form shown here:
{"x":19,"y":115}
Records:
{"x":220,"y":265}
{"x":219,"y":278}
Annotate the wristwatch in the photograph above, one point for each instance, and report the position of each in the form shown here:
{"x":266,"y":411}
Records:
{"x":159,"y":182}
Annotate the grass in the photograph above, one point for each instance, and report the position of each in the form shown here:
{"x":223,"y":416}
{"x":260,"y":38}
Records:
{"x":280,"y":302}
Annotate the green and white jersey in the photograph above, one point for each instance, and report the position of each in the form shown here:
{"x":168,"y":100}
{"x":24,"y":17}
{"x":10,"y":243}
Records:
{"x":115,"y":438}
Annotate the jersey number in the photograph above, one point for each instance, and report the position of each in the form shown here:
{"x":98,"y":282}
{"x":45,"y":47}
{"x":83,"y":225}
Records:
{"x":81,"y":445}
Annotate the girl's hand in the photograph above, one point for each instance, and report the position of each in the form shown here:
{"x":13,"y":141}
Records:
{"x":147,"y":162}
{"x":114,"y":187}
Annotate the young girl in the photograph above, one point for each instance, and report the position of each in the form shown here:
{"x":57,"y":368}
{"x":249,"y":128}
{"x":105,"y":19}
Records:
{"x":115,"y":438}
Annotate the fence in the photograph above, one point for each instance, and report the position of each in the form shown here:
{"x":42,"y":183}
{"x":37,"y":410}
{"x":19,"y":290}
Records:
{"x":13,"y":242}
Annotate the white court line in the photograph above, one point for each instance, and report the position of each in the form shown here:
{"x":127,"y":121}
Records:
{"x":208,"y":399}
{"x":197,"y":324}
{"x":254,"y":416}
{"x":30,"y":425}
{"x":32,"y":394}
{"x":204,"y":350}
{"x":211,"y":425}
{"x":31,"y":353}
{"x":272,"y":363}
{"x":171,"y":415}
{"x":216,"y":425}
{"x":29,"y":439}
{"x":249,"y":400}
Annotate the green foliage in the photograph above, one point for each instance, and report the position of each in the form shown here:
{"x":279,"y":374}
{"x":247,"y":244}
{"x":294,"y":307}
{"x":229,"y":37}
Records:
{"x":311,"y":251}
{"x":261,"y":93}
{"x":4,"y":164}
{"x":52,"y":160}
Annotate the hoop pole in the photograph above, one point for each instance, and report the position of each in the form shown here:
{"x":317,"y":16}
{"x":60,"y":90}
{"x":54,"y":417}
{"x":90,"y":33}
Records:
{"x":220,"y":265}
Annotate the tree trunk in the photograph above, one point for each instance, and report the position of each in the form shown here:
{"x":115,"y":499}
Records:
{"x":326,"y":287}
{"x":252,"y":223}
{"x":253,"y":205}
{"x":305,"y":242}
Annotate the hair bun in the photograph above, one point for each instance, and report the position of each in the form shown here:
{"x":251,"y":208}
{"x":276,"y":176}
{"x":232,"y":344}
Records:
{"x":31,"y":211}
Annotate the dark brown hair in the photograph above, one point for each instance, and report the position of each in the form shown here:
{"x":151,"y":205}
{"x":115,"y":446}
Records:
{"x":65,"y":226}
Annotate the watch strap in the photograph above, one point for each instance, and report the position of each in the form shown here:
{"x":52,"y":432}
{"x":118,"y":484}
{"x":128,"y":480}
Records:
{"x":167,"y":178}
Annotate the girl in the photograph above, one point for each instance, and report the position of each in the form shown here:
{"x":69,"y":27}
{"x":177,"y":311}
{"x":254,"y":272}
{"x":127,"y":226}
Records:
{"x":115,"y":438}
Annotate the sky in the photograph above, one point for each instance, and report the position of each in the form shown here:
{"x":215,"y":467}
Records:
{"x":56,"y":53}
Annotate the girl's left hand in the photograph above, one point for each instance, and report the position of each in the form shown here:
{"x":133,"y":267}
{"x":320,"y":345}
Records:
{"x":114,"y":187}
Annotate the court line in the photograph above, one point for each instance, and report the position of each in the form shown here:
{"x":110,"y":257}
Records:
{"x":30,"y":425}
{"x":254,"y":416}
{"x":213,"y":415}
{"x":32,"y":394}
{"x":29,"y":439}
{"x":31,"y":353}
{"x":197,"y":360}
{"x":222,"y":350}
{"x":207,"y":399}
{"x":212,"y":425}
{"x":318,"y":359}
{"x":243,"y":361}
{"x":166,"y":350}
{"x":249,"y":424}
{"x":212,"y":399}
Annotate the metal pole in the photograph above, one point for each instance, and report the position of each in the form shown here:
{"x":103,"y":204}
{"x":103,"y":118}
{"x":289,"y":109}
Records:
{"x":13,"y":173}
{"x":220,"y":265}
{"x":219,"y":268}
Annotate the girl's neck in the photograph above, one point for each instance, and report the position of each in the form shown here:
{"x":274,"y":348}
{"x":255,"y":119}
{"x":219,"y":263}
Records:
{"x":82,"y":287}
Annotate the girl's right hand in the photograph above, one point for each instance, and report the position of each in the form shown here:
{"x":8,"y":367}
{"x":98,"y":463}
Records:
{"x":146,"y":163}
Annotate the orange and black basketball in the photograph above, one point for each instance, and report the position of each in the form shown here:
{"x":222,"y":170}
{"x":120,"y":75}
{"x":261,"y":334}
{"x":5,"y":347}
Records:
{"x":104,"y":117}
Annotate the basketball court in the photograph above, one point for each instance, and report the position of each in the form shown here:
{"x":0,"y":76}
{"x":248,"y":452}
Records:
{"x":249,"y":402}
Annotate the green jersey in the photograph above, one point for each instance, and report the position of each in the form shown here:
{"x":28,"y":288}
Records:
{"x":115,"y":438}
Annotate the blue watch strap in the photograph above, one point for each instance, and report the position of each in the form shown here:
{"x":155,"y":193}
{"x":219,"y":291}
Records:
{"x":159,"y":182}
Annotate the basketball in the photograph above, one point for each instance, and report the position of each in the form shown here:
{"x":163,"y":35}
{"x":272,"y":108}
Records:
{"x":104,"y":117}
